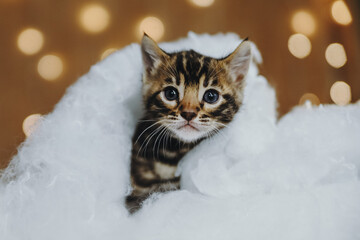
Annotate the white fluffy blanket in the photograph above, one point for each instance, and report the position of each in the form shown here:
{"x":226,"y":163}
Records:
{"x":296,"y":178}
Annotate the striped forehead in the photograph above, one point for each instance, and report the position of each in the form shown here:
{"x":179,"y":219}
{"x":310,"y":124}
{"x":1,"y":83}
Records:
{"x":191,"y":66}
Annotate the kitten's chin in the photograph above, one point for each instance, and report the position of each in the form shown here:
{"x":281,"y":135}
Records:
{"x":188,"y":134}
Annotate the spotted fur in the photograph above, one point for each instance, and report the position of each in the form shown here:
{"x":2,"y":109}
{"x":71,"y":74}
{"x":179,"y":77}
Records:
{"x":171,"y":128}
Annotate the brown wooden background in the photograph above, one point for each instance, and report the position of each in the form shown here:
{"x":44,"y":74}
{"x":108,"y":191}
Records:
{"x":267,"y":23}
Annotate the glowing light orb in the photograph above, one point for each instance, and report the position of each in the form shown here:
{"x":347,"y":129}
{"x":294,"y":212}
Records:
{"x":30,"y":123}
{"x":303,"y":22}
{"x":341,"y":13}
{"x":335,"y":55}
{"x":50,"y":67}
{"x":153,"y":26}
{"x":107,"y":52}
{"x":309,"y":97}
{"x":94,"y":18}
{"x":202,"y":3}
{"x":30,"y":41}
{"x":299,"y":45}
{"x":340,"y":93}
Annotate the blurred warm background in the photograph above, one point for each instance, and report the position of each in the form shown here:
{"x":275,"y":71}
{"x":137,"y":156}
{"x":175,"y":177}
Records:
{"x":310,"y":47}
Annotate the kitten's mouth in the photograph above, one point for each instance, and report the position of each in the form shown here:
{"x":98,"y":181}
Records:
{"x":188,"y":132}
{"x":188,"y":126}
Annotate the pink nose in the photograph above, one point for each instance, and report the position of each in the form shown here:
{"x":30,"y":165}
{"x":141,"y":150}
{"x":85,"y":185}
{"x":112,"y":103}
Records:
{"x":188,"y":115}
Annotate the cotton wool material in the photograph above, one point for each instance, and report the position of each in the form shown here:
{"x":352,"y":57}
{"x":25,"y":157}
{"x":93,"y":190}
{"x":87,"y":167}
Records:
{"x":260,"y":178}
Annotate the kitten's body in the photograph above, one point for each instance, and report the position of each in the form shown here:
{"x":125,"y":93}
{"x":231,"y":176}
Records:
{"x":154,"y":161}
{"x":187,"y":97}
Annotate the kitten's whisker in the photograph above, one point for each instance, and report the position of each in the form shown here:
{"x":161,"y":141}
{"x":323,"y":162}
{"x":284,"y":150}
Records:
{"x":149,"y":120}
{"x":160,"y":129}
{"x":223,"y":125}
{"x":148,"y":138}
{"x":159,"y":136}
{"x":144,"y":142}
{"x":221,"y":132}
{"x":163,"y":139}
{"x":166,"y":139}
{"x":218,"y":131}
{"x":165,"y":135}
{"x":146,"y":130}
{"x":162,"y":135}
{"x":214,"y":130}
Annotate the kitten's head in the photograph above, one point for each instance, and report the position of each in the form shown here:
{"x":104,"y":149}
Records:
{"x":191,"y":95}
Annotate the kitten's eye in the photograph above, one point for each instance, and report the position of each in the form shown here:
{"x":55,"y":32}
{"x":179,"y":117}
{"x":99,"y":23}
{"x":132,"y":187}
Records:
{"x":171,"y":93}
{"x":211,"y":96}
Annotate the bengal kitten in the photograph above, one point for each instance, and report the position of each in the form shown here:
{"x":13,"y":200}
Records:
{"x":187,"y":97}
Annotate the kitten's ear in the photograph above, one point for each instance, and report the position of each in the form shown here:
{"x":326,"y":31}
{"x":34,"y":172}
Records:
{"x":238,"y":62}
{"x":151,"y":53}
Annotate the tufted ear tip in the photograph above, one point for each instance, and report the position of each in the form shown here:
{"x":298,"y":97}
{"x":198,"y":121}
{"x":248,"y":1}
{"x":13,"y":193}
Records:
{"x":146,"y":37}
{"x":147,"y":43}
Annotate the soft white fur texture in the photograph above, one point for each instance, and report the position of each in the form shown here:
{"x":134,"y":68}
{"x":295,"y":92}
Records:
{"x":296,"y":178}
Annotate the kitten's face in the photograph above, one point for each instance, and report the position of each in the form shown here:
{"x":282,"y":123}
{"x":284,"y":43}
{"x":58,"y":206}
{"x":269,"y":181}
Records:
{"x":191,"y":95}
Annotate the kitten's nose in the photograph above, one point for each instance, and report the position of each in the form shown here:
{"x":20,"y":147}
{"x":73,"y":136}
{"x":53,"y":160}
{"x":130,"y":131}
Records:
{"x":188,"y":115}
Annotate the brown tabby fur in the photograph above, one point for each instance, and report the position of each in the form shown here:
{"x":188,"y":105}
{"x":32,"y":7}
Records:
{"x":157,"y":147}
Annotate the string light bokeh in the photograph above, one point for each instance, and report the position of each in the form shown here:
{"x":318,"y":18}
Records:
{"x":30,"y":123}
{"x":153,"y":26}
{"x":335,"y":55}
{"x":94,"y":18}
{"x":30,"y":41}
{"x":309,"y":97}
{"x":340,"y":93}
{"x":299,"y":45}
{"x":340,"y":13}
{"x":107,"y":52}
{"x":309,"y":48}
{"x":303,"y":22}
{"x":50,"y":67}
{"x":202,"y":3}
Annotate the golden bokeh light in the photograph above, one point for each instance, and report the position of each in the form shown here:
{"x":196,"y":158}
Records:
{"x":303,"y":22}
{"x":50,"y":67}
{"x":107,"y":52}
{"x":340,"y":93}
{"x":335,"y":55}
{"x":309,"y":97}
{"x":202,"y":3}
{"x":30,"y":41}
{"x":341,"y":13}
{"x":30,"y":124}
{"x":153,"y":26}
{"x":94,"y":18}
{"x":299,"y":45}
